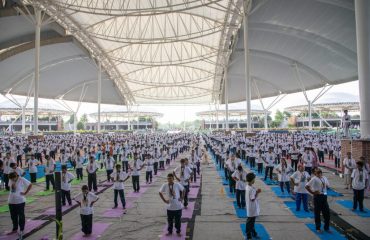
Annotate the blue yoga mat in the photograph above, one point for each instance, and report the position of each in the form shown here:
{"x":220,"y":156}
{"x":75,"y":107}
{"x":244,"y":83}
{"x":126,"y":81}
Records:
{"x":269,"y":182}
{"x":299,"y":214}
{"x":240,"y":212}
{"x":349,"y":204}
{"x":335,"y":235}
{"x":333,"y":193}
{"x":40,"y":170}
{"x":278,"y":192}
{"x":260,"y":229}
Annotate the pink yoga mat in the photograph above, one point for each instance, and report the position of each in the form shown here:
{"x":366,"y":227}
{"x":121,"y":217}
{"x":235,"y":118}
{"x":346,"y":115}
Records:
{"x":174,"y":235}
{"x":136,"y":194}
{"x":193,"y":193}
{"x":51,"y":211}
{"x":30,"y":225}
{"x":98,"y":230}
{"x":188,"y":213}
{"x":118,"y":212}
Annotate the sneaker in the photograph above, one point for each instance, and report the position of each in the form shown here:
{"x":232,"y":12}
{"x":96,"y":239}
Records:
{"x":169,"y":234}
{"x":20,"y":235}
{"x":178,"y":234}
{"x":114,"y":207}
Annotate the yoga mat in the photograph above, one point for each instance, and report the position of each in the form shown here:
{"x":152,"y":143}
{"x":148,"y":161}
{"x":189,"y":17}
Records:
{"x":349,"y":204}
{"x":117,"y":212}
{"x":299,"y":214}
{"x":44,"y":193}
{"x":278,"y":192}
{"x":333,"y":193}
{"x":3,"y":192}
{"x":229,"y":194}
{"x":174,"y":235}
{"x":97,"y":230}
{"x":5,"y":208}
{"x":188,"y":213}
{"x":76,"y":181}
{"x":51,"y":211}
{"x":260,"y":229}
{"x":240,"y":212}
{"x":193,"y":193}
{"x":135,"y":194}
{"x":335,"y":235}
{"x":268,"y":181}
{"x":30,"y":225}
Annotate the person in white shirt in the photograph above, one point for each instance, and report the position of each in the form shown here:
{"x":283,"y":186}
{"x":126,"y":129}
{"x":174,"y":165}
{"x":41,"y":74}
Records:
{"x":86,"y":200}
{"x":349,"y":164}
{"x":318,"y":187}
{"x":252,"y":204}
{"x":185,"y":175}
{"x":284,"y":170}
{"x":49,"y":172}
{"x":67,"y":178}
{"x":269,"y":160}
{"x":32,"y":168}
{"x":346,"y":123}
{"x":79,"y":166}
{"x":109,"y":166}
{"x":259,"y":162}
{"x":136,"y":167}
{"x":231,"y":165}
{"x":19,"y":187}
{"x":149,"y":162}
{"x":119,"y":177}
{"x":240,"y":176}
{"x":307,"y":159}
{"x":172,"y":194}
{"x":359,"y":184}
{"x":18,"y":170}
{"x":6,"y":162}
{"x":91,"y":169}
{"x":299,"y":180}
{"x":294,"y":157}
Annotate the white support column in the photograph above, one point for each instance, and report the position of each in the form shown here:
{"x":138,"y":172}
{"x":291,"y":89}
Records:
{"x":265,"y":123}
{"x":99,"y":97}
{"x":37,"y":69}
{"x":362,"y":12}
{"x":309,"y":115}
{"x":217,"y":122}
{"x":246,"y":68}
{"x":226,"y":88}
{"x":23,"y":120}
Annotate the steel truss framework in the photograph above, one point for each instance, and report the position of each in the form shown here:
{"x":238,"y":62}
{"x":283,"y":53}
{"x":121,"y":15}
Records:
{"x":160,"y":50}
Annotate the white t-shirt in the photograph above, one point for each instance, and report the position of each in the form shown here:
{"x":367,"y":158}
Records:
{"x":242,"y":176}
{"x":185,"y":173}
{"x":135,"y":167}
{"x":7,"y":163}
{"x":307,"y":159}
{"x":173,"y":197}
{"x":359,"y":179}
{"x":16,"y":188}
{"x":66,"y":177}
{"x":349,"y":165}
{"x":251,"y":201}
{"x":18,"y":170}
{"x":109,"y":163}
{"x":92,"y":167}
{"x":118,"y":179}
{"x":270,"y":159}
{"x":32,"y":165}
{"x":300,"y":178}
{"x":232,"y":165}
{"x":283,"y":175}
{"x":49,"y":167}
{"x":149,"y":165}
{"x":79,"y":162}
{"x":86,"y":201}
{"x":319,"y":184}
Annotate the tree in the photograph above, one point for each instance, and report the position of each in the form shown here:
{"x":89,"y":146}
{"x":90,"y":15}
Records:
{"x":84,"y":119}
{"x":71,"y":119}
{"x":80,"y":126}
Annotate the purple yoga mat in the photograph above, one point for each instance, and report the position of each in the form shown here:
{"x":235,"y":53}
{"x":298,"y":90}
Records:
{"x":51,"y":211}
{"x":193,"y":193}
{"x":30,"y":225}
{"x":97,"y":230}
{"x":118,"y":212}
{"x":136,"y":194}
{"x":188,"y":213}
{"x":174,"y":235}
{"x":107,"y":184}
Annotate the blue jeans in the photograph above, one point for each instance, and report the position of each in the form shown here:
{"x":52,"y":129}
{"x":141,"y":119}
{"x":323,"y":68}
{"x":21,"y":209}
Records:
{"x":301,"y":197}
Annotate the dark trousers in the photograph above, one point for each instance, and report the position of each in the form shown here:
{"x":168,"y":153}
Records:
{"x":161,"y":164}
{"x":240,"y":198}
{"x":121,"y":194}
{"x":226,"y":171}
{"x":149,"y":176}
{"x":301,"y":197}
{"x":249,"y":228}
{"x":331,"y":155}
{"x":194,"y":175}
{"x":186,"y":199}
{"x":79,"y":173}
{"x":294,"y":164}
{"x":321,"y":156}
{"x":6,"y":181}
{"x":308,"y":169}
{"x":337,"y":162}
{"x":125,"y":166}
{"x":66,"y":195}
{"x":136,"y":183}
{"x":259,"y":168}
{"x":167,"y":161}
{"x":321,"y":206}
{"x":17,"y":216}
{"x":198,"y":167}
{"x":49,"y":179}
{"x":287,"y":184}
{"x":86,"y":222}
{"x":155,"y":166}
{"x":358,"y":198}
{"x":91,"y":182}
{"x":174,"y":215}
{"x":19,"y":160}
{"x":231,"y":184}
{"x":33,"y":177}
{"x":268,"y":171}
{"x":252,"y":162}
{"x":109,"y":172}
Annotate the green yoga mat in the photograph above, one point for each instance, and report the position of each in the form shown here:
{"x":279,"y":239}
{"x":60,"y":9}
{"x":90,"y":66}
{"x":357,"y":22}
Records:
{"x":5,"y":208}
{"x":40,"y":180}
{"x":2,"y":192}
{"x":44,"y":193}
{"x":75,"y":182}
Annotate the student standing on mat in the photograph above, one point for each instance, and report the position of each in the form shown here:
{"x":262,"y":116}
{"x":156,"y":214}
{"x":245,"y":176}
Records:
{"x":359,"y":184}
{"x":135,"y":172}
{"x":67,"y":178}
{"x":185,"y":175}
{"x":19,"y":187}
{"x":91,"y":169}
{"x":240,"y":176}
{"x":231,"y":164}
{"x":259,"y":162}
{"x":149,"y":162}
{"x":79,"y":166}
{"x":253,"y":208}
{"x":307,"y":159}
{"x":32,"y":168}
{"x":269,"y":160}
{"x":6,"y":162}
{"x":284,"y":170}
{"x":318,"y":186}
{"x":49,"y":172}
{"x":109,"y":166}
{"x":299,"y":180}
{"x":349,"y":164}
{"x":172,"y":194}
{"x":119,"y":177}
{"x":18,"y":170}
{"x":86,"y":200}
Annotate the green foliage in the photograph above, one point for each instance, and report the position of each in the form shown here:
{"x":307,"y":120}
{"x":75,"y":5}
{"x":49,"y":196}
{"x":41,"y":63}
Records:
{"x":80,"y":126}
{"x":71,"y":119}
{"x":84,"y":119}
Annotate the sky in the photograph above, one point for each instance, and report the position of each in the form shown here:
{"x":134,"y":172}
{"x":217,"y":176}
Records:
{"x":347,"y":92}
